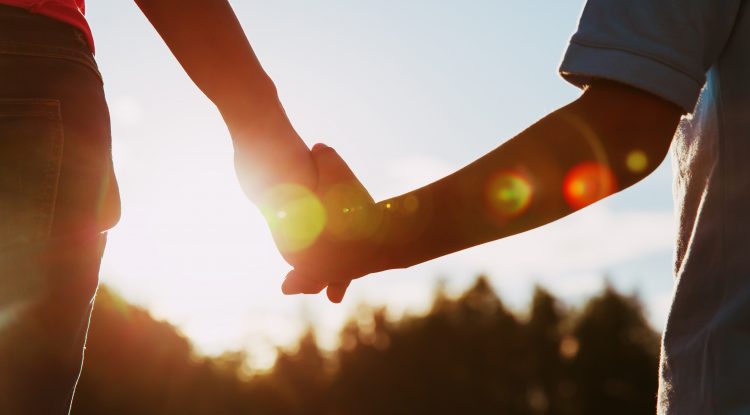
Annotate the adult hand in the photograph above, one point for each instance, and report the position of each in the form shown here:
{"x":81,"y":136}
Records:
{"x":327,"y":234}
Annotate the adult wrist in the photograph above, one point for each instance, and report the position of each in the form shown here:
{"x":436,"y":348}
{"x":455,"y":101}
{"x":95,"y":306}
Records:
{"x":247,"y":103}
{"x":268,"y":151}
{"x":251,"y":118}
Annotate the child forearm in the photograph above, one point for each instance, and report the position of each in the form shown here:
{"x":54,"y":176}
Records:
{"x":604,"y":142}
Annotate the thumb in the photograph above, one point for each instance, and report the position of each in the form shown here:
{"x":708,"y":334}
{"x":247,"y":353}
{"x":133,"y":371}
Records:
{"x":332,"y":169}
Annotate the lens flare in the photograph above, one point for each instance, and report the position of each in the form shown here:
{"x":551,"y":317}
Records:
{"x":636,"y":161}
{"x":350,"y":212}
{"x":508,"y":194}
{"x":295,"y":215}
{"x":587,"y":183}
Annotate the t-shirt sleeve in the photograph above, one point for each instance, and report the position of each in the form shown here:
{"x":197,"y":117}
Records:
{"x":664,"y":47}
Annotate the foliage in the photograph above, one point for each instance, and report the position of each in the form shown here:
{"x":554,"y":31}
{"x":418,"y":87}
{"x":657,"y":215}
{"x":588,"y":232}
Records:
{"x":468,"y":355}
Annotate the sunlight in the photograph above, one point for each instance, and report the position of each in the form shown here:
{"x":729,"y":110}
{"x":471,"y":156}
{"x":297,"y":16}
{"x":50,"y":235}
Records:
{"x":295,"y":215}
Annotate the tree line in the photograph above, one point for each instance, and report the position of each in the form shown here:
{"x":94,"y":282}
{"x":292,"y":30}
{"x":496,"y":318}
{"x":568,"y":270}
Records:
{"x":467,"y":355}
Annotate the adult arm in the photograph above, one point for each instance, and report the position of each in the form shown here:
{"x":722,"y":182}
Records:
{"x":208,"y":41}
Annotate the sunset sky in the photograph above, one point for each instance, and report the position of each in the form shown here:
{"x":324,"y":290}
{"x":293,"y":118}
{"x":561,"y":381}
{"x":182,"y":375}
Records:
{"x":407,"y":92}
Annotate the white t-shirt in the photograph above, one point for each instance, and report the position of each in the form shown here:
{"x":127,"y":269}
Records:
{"x":681,"y":50}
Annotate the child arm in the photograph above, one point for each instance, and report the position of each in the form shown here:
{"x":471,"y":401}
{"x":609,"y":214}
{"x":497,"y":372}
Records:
{"x":607,"y":140}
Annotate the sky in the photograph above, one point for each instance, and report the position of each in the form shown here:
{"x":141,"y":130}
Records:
{"x":406,"y":92}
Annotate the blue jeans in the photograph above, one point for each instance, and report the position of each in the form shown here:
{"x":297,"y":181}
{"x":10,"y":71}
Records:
{"x":58,"y":196}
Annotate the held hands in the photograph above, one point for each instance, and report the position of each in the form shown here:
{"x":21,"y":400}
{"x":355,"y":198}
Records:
{"x":322,"y":219}
{"x":328,"y":233}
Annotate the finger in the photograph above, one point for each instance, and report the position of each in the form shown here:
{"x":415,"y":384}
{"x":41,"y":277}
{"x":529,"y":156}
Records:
{"x":296,"y":283}
{"x":336,"y":291}
{"x":297,"y":286}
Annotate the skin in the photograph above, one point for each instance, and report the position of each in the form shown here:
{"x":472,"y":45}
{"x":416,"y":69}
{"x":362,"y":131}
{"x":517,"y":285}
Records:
{"x":208,"y":41}
{"x":625,"y":131}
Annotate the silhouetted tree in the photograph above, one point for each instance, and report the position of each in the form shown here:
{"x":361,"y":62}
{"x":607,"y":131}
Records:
{"x":137,"y":365}
{"x":615,"y":365}
{"x":545,"y":369}
{"x":459,"y":358}
{"x":298,"y":383}
{"x":466,"y":355}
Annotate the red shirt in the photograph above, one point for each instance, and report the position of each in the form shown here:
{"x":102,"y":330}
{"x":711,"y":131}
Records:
{"x":68,"y":11}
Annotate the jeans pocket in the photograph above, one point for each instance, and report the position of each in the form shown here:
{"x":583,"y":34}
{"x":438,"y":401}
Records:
{"x":31,"y":150}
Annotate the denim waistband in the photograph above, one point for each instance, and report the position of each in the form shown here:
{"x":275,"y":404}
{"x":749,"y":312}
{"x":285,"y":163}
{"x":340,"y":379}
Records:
{"x":23,"y":33}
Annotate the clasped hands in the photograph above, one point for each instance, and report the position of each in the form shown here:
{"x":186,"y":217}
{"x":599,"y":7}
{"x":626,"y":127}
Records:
{"x":329,"y":234}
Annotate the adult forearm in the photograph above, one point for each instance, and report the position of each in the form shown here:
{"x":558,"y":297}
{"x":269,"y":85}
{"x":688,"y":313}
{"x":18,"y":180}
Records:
{"x":208,"y":41}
